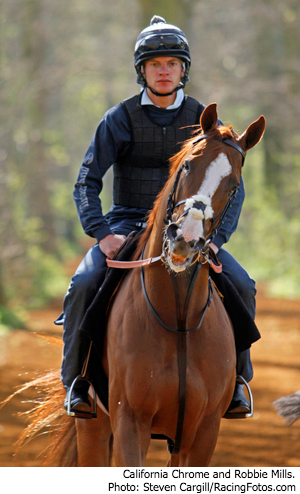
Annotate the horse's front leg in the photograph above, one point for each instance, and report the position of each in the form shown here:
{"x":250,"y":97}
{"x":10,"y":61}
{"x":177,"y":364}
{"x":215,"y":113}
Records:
{"x":199,"y":453}
{"x":205,"y":441}
{"x":132,"y":436}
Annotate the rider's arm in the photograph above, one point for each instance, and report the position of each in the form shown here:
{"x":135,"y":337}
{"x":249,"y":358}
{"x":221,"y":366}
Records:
{"x":112,"y":139}
{"x":231,"y":219}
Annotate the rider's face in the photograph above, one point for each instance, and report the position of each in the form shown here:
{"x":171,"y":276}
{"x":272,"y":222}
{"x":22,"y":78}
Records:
{"x":163,"y":74}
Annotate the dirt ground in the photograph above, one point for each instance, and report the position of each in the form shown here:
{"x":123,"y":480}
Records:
{"x":263,"y":441}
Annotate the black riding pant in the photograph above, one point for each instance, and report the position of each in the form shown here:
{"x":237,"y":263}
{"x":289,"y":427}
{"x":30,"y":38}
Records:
{"x":89,"y":277}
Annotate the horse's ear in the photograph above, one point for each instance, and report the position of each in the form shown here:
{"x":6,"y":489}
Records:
{"x":253,"y":134}
{"x":209,"y":118}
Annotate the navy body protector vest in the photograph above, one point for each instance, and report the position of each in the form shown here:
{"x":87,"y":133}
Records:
{"x":141,"y":174}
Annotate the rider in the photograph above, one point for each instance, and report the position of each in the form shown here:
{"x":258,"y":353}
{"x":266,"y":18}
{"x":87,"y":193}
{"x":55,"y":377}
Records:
{"x":138,"y":137}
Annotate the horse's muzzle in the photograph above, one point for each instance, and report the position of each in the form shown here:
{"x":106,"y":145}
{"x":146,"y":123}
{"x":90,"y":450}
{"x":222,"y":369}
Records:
{"x":179,"y":248}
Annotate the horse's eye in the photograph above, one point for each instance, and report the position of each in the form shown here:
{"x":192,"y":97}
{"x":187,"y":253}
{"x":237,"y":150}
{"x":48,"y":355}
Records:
{"x":186,"y":165}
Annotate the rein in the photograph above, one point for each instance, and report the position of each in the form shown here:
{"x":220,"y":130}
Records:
{"x":181,"y":319}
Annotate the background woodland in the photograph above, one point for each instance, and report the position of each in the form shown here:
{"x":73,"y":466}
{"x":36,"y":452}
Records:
{"x":63,"y":64}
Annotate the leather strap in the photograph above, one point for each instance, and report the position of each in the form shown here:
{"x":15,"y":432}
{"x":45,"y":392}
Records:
{"x":112,"y":263}
{"x":182,"y":364}
{"x":216,"y":267}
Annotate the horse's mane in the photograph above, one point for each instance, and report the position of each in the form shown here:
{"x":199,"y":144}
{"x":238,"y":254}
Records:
{"x":175,"y":161}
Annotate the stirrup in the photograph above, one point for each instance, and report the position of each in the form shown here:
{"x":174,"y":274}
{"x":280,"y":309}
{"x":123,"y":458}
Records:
{"x":77,"y":413}
{"x":242,"y":415}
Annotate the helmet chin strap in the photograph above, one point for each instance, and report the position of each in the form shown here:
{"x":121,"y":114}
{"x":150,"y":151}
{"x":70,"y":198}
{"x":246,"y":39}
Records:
{"x":164,"y":94}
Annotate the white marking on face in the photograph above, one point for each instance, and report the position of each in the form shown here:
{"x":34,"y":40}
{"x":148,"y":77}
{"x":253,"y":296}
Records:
{"x":192,"y":227}
{"x":216,"y":171}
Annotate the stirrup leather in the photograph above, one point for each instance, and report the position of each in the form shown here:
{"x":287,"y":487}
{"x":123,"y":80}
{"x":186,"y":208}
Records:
{"x":77,"y":413}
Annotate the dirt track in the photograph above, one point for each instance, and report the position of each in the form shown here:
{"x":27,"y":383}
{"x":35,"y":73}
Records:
{"x":264,"y":440}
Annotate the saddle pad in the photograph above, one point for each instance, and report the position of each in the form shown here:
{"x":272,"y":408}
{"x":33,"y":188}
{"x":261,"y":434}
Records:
{"x":94,"y":323}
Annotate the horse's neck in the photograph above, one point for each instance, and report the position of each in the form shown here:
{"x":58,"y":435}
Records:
{"x":192,"y":285}
{"x":154,"y":244}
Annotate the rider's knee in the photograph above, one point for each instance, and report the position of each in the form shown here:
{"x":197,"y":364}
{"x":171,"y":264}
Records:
{"x":247,"y":292}
{"x":85,"y":282}
{"x":246,"y":286}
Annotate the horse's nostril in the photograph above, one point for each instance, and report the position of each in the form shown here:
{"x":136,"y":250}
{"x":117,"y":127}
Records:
{"x":172,"y":231}
{"x":200,"y":244}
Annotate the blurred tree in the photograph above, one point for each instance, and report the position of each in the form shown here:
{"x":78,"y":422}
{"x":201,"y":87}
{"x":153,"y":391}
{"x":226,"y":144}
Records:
{"x":63,"y":64}
{"x":246,"y":57}
{"x":178,"y":12}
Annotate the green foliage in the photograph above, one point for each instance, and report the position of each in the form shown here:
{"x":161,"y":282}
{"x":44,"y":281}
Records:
{"x":10,"y":319}
{"x":267,"y":240}
{"x":48,"y":279}
{"x":63,"y":64}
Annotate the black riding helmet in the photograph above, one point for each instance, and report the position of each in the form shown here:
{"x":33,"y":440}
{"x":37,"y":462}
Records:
{"x":161,"y":40}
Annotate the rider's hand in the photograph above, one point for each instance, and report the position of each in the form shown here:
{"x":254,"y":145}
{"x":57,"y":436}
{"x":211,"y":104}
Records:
{"x":110,"y":244}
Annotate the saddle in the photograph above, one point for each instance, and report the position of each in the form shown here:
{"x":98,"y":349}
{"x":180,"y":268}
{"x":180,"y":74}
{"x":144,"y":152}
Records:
{"x":94,"y":322}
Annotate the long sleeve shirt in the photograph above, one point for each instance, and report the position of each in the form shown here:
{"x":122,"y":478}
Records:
{"x":111,"y":141}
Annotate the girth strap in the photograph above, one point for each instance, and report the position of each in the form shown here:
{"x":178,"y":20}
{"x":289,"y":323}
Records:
{"x":182,"y":348}
{"x":182,"y":365}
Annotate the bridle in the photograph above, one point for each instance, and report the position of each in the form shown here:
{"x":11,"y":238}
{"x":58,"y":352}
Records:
{"x":172,"y":204}
{"x":203,"y":252}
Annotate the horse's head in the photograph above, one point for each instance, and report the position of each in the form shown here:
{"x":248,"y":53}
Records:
{"x":204,"y":186}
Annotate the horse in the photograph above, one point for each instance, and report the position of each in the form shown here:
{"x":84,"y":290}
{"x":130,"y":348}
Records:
{"x":169,"y":352}
{"x":170,"y":347}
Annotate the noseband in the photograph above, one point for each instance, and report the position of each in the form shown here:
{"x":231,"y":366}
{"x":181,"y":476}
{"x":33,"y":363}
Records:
{"x":172,"y":204}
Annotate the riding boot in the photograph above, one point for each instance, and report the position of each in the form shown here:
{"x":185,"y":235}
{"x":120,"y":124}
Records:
{"x":77,"y":390}
{"x":240,"y":407}
{"x":79,"y":398}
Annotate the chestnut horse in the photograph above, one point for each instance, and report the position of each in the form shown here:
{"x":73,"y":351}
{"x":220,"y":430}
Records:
{"x":170,"y":342}
{"x":170,"y":351}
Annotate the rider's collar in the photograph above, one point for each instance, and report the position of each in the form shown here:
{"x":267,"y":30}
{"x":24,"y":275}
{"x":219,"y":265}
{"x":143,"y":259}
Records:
{"x":145,"y":100}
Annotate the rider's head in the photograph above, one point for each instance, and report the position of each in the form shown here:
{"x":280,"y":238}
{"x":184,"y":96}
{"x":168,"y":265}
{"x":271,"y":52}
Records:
{"x":161,"y":40}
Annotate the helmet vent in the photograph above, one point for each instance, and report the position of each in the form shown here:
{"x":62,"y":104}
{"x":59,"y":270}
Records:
{"x":156,"y":18}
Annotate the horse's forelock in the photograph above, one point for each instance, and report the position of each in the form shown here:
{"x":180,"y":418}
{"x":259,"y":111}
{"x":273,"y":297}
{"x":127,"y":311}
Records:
{"x":227,"y":132}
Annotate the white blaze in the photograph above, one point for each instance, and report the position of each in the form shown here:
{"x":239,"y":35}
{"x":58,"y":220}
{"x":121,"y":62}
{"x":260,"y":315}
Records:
{"x":192,"y":227}
{"x":216,"y":171}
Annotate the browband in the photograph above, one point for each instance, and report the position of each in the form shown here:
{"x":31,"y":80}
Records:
{"x":226,"y":141}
